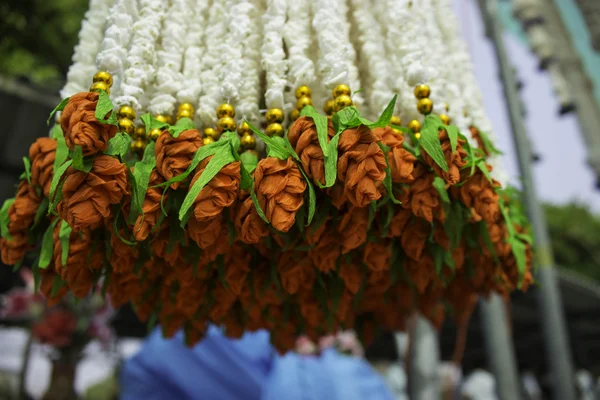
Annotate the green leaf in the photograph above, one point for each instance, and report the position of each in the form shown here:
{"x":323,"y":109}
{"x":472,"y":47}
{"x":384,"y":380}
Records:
{"x":56,"y":179}
{"x":440,"y":186}
{"x":5,"y":219}
{"x":103,"y":108}
{"x":386,"y":115}
{"x":488,"y":144}
{"x":47,"y":246}
{"x":438,"y":259}
{"x":387,"y":181}
{"x":483,"y":167}
{"x":141,"y":177}
{"x":57,"y":284}
{"x":118,"y":145}
{"x":430,"y":141}
{"x":250,"y":161}
{"x":41,"y":211}
{"x":321,"y":123}
{"x":455,"y":222}
{"x":81,"y":163}
{"x":152,"y":123}
{"x":64,"y":236}
{"x":221,"y":158}
{"x":519,"y":251}
{"x":275,"y":145}
{"x":182,"y":124}
{"x":452,"y":132}
{"x":59,"y":107}
{"x":259,"y":210}
{"x":62,"y":151}
{"x":330,"y":162}
{"x":312,"y":197}
{"x":27,"y":164}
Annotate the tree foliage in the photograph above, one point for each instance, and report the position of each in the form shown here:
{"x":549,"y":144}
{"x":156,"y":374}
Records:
{"x":37,"y":38}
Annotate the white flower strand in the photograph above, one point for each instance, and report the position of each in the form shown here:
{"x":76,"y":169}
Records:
{"x":169,"y":78}
{"x":113,"y":52}
{"x":246,"y":30}
{"x":83,"y":68}
{"x":230,"y":74}
{"x":337,"y":58}
{"x":192,"y":59}
{"x":142,"y":55}
{"x":297,"y":36}
{"x":272,"y":53}
{"x":212,"y":62}
{"x":374,"y":65}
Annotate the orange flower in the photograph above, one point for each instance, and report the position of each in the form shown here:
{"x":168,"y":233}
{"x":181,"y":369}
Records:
{"x":326,"y":252}
{"x":224,"y":300}
{"x":424,"y":199}
{"x":205,"y":233}
{"x":361,"y":165}
{"x":22,"y":212}
{"x":297,"y":272}
{"x":377,"y":256}
{"x":238,"y":263}
{"x":421,"y":272}
{"x":171,"y":253}
{"x":477,"y":136}
{"x":89,"y":196}
{"x":249,"y":225}
{"x":42,"y":153}
{"x":353,"y":228}
{"x":122,"y":287}
{"x":399,"y":221}
{"x":123,"y":256}
{"x":304,"y":139}
{"x":455,"y":160}
{"x":150,"y":207}
{"x":80,"y":126}
{"x":174,"y":155}
{"x":46,"y":285}
{"x":352,"y":276}
{"x":478,"y":194}
{"x":414,"y":239}
{"x":15,"y":249}
{"x":279,"y":186}
{"x":401,"y":161}
{"x":219,"y":193}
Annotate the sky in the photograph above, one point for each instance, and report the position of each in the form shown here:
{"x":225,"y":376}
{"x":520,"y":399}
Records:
{"x":562,"y":175}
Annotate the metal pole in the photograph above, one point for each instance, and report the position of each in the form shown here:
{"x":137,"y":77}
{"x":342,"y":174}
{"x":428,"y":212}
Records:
{"x":423,"y":359}
{"x":553,"y":320}
{"x":500,"y":348}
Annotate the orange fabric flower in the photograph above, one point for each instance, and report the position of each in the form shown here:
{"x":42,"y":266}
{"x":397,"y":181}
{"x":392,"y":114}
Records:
{"x":353,"y":228}
{"x":478,"y":194}
{"x":15,"y":249}
{"x":401,"y":161}
{"x":326,"y":252}
{"x":421,"y":272}
{"x":352,"y":275}
{"x":279,"y":187}
{"x":297,"y":272}
{"x":22,"y":212}
{"x":224,"y":300}
{"x":399,"y":221}
{"x":150,"y":207}
{"x":174,"y":155}
{"x":123,"y":256}
{"x":249,"y":225}
{"x":477,"y":136}
{"x":377,"y":256}
{"x":122,"y":287}
{"x":46,"y":285}
{"x":80,"y":126}
{"x":455,"y":160}
{"x":42,"y":154}
{"x":221,"y":192}
{"x":361,"y":165}
{"x":89,"y":196}
{"x":424,"y":200}
{"x":303,"y":137}
{"x":414,"y":239}
{"x":238,"y":263}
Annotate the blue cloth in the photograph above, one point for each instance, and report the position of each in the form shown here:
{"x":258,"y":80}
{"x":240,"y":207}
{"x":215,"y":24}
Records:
{"x":246,"y":369}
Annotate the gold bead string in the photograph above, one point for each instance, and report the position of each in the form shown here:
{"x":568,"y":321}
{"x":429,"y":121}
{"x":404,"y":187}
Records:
{"x":274,"y":119}
{"x":102,"y":80}
{"x":341,"y":98}
{"x":303,"y":99}
{"x":247,"y":139}
{"x":395,"y":120}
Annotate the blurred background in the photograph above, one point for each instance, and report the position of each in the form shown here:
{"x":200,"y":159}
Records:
{"x":554,"y":47}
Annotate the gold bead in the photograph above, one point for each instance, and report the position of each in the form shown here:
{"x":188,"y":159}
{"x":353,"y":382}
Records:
{"x":104,"y":77}
{"x":446,"y":107}
{"x":418,"y":135}
{"x":414,"y":126}
{"x":445,"y":119}
{"x":303,"y":102}
{"x":342,"y":102}
{"x":225,"y":110}
{"x":329,"y":107}
{"x":184,"y":114}
{"x":295,"y":114}
{"x":274,"y":115}
{"x":211,"y":132}
{"x":274,"y":129}
{"x":248,"y":142}
{"x":154,"y":134}
{"x":186,"y":106}
{"x":244,"y":129}
{"x":161,"y":118}
{"x":425,"y":106}
{"x":139,"y":132}
{"x":397,"y":131}
{"x":138,"y":145}
{"x":226,"y":124}
{"x":207,"y":140}
{"x":341,"y":90}
{"x":98,"y":86}
{"x":126,"y":125}
{"x":395,"y":121}
{"x":126,"y":112}
{"x":303,"y":91}
{"x":422,"y":91}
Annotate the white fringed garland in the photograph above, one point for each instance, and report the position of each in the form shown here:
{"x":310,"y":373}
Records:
{"x":79,"y":77}
{"x":337,"y":58}
{"x":212,"y":62}
{"x":273,"y":57}
{"x":192,"y":59}
{"x":169,"y":78}
{"x":374,"y":68}
{"x":138,"y":77}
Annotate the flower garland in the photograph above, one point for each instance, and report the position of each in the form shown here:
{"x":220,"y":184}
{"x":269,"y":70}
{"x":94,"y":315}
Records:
{"x":90,"y":38}
{"x":272,"y":53}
